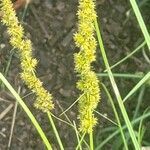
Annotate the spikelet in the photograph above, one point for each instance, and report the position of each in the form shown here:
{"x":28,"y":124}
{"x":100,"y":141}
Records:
{"x":88,"y":83}
{"x":28,"y":64}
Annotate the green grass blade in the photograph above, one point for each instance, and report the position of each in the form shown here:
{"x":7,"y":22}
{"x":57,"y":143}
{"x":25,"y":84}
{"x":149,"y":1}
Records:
{"x":144,"y":116}
{"x":128,"y":56}
{"x":91,"y":140}
{"x":122,"y":75}
{"x":106,"y":118}
{"x":55,"y":131}
{"x":28,"y":112}
{"x":80,"y":142}
{"x":140,"y":131}
{"x":116,"y":115}
{"x":141,"y":22}
{"x":77,"y":135}
{"x":137,"y":86}
{"x":116,"y":91}
{"x":139,"y":102}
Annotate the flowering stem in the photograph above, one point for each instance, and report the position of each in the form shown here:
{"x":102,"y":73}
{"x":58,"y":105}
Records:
{"x":55,"y":131}
{"x":88,"y":82}
{"x":91,"y":140}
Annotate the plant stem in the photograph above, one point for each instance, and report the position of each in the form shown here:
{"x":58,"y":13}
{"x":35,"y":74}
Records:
{"x":116,"y":115}
{"x":80,"y":142}
{"x":122,"y":75}
{"x":28,"y":112}
{"x":141,"y":22}
{"x":55,"y":131}
{"x":77,"y":135}
{"x":91,"y":140}
{"x":128,"y":56}
{"x":137,"y":86}
{"x":139,"y":102}
{"x":111,"y":136}
{"x":115,"y":88}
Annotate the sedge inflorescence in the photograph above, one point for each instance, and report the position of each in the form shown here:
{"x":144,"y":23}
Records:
{"x":88,"y":82}
{"x":28,"y":64}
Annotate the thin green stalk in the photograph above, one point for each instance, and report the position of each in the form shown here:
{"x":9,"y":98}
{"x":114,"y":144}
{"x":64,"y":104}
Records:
{"x":137,"y":86}
{"x":116,"y":115}
{"x":9,"y":62}
{"x":75,"y":128}
{"x":141,"y":22}
{"x":59,"y":119}
{"x":7,"y":67}
{"x":116,"y":91}
{"x":77,"y":135}
{"x":28,"y":112}
{"x":139,"y":102}
{"x":55,"y":131}
{"x":91,"y":140}
{"x":140,"y":134}
{"x":73,"y":125}
{"x":80,"y":142}
{"x":128,"y":56}
{"x":144,"y":116}
{"x":122,"y":75}
{"x":72,"y":104}
{"x":106,"y":118}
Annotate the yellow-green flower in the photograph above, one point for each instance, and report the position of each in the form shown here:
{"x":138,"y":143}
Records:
{"x":88,"y":83}
{"x":28,"y":63}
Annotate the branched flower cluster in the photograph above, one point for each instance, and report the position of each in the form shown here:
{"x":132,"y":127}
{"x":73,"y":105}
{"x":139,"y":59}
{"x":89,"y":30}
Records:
{"x":88,"y":83}
{"x":28,"y":64}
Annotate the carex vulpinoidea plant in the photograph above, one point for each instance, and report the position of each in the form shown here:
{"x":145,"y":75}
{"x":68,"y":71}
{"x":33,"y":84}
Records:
{"x":28,"y":63}
{"x":88,"y":82}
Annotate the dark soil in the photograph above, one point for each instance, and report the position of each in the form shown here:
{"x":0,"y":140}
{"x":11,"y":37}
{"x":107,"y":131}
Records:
{"x":50,"y":25}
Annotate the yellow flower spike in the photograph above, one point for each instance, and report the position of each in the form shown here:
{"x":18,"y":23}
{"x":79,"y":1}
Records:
{"x":81,"y":63}
{"x":28,"y":64}
{"x":88,"y":83}
{"x":79,"y":39}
